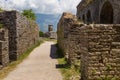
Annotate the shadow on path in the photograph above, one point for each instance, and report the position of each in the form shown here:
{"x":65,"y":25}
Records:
{"x":53,"y":52}
{"x":55,"y":55}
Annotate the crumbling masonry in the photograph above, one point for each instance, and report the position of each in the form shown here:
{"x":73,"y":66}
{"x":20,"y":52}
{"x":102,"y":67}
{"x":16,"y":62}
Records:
{"x":96,"y":46}
{"x":17,"y":35}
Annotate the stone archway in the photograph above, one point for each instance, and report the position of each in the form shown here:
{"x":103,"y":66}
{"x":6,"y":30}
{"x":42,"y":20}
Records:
{"x":83,"y":18}
{"x":106,"y":14}
{"x":89,"y":19}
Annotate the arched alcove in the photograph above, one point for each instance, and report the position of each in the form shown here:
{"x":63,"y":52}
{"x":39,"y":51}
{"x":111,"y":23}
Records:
{"x":106,"y":14}
{"x":83,"y":18}
{"x":89,"y":19}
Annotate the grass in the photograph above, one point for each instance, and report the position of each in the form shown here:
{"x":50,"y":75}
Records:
{"x":68,"y":71}
{"x":5,"y":71}
{"x":1,"y":25}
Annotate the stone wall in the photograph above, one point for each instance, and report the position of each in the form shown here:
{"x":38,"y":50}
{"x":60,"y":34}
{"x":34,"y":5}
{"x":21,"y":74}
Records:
{"x":68,"y":38}
{"x":100,"y":52}
{"x":27,"y":34}
{"x":51,"y":35}
{"x":4,"y":56}
{"x":73,"y":45}
{"x":63,"y":28}
{"x":9,"y":20}
{"x":96,"y":46}
{"x":22,"y":33}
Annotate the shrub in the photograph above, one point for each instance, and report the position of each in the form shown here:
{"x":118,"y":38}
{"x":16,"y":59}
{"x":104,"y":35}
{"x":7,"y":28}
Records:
{"x":29,"y":14}
{"x":41,"y":34}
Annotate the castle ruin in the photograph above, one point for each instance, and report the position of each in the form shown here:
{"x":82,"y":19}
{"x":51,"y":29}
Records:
{"x":97,"y":11}
{"x":17,"y":35}
{"x":51,"y":34}
{"x":91,"y":39}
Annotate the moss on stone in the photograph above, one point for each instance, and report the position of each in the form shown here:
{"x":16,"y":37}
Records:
{"x":89,"y":1}
{"x":1,"y":25}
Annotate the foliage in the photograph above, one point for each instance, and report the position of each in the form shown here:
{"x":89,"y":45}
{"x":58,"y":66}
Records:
{"x":1,"y":10}
{"x":108,"y":78}
{"x":108,"y":68}
{"x":89,"y":1}
{"x":41,"y":34}
{"x":29,"y":14}
{"x":1,"y":25}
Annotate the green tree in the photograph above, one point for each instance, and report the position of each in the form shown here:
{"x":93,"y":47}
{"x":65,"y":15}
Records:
{"x":41,"y":34}
{"x":29,"y":14}
{"x":1,"y":10}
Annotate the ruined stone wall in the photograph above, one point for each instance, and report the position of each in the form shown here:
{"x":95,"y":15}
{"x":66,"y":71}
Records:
{"x":4,"y":49}
{"x":100,"y":48}
{"x":27,"y":33}
{"x":68,"y":38}
{"x":73,"y":45}
{"x":23,"y":33}
{"x":51,"y":35}
{"x":9,"y":20}
{"x":63,"y":28}
{"x":96,"y":46}
{"x":95,"y":8}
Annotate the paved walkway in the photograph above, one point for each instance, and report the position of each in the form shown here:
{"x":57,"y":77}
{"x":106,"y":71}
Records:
{"x":40,"y":65}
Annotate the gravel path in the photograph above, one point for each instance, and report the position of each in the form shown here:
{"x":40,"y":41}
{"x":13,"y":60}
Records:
{"x":40,"y":65}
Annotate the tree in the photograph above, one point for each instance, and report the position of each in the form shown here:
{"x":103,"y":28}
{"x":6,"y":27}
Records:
{"x":1,"y":10}
{"x":41,"y":34}
{"x":29,"y":14}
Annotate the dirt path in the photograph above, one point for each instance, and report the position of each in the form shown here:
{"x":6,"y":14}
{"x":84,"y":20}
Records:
{"x":40,"y":65}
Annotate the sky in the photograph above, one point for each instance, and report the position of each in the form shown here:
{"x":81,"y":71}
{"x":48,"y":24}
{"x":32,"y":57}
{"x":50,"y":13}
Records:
{"x":41,"y":6}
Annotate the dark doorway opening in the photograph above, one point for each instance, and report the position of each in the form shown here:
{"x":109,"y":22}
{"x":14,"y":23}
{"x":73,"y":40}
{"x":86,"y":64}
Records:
{"x":89,"y":19}
{"x":83,"y":18}
{"x":106,"y":15}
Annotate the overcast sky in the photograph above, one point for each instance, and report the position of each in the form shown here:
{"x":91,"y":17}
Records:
{"x":41,"y":6}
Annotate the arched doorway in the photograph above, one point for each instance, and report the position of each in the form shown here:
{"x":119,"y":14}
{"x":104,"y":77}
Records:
{"x":106,"y":15}
{"x":89,"y":20}
{"x":83,"y":18}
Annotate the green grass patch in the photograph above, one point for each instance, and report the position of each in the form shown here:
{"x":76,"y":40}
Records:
{"x":69,"y":72}
{"x":1,"y":25}
{"x":5,"y":71}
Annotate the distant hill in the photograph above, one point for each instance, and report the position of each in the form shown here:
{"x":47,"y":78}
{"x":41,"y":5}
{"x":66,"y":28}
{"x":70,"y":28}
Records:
{"x":44,"y":20}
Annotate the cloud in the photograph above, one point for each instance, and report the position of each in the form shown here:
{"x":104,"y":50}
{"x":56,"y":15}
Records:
{"x":41,"y":6}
